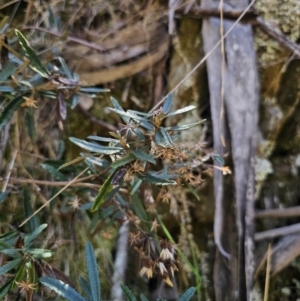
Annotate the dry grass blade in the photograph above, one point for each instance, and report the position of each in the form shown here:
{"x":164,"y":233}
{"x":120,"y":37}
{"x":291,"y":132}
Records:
{"x":268,"y":270}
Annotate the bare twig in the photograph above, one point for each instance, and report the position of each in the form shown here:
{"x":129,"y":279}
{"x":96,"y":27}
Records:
{"x":277,"y":232}
{"x":9,"y":169}
{"x":268,"y":271}
{"x":68,"y":39}
{"x":96,"y":120}
{"x":277,"y":213}
{"x":57,"y":194}
{"x":54,"y":183}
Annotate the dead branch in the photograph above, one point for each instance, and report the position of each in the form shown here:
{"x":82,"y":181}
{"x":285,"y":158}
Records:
{"x":277,"y":232}
{"x":281,"y":213}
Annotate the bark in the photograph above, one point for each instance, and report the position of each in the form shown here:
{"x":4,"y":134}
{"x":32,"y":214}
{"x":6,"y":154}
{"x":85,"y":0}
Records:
{"x":241,"y":105}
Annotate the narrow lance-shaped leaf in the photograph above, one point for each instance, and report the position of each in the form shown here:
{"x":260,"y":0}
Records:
{"x":65,"y":68}
{"x":128,"y":293}
{"x":139,"y":208}
{"x":188,"y":294}
{"x":5,"y":288}
{"x":119,"y":107}
{"x":166,"y":136}
{"x":7,"y":71}
{"x":184,"y":126}
{"x":9,"y":110}
{"x":96,"y":148}
{"x":33,"y":223}
{"x":86,"y":287}
{"x":93,"y":272}
{"x":9,"y":266}
{"x":156,"y":180}
{"x":123,"y":161}
{"x":180,"y":111}
{"x":35,"y":62}
{"x":30,"y":237}
{"x":62,"y":289}
{"x":103,"y":139}
{"x":30,"y":124}
{"x":3,"y":195}
{"x":167,"y":104}
{"x":144,"y":156}
{"x":103,"y":192}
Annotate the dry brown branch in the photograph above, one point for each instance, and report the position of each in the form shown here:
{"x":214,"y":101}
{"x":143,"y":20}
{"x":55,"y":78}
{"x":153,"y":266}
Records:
{"x":277,"y":232}
{"x":279,"y":213}
{"x":53,"y":183}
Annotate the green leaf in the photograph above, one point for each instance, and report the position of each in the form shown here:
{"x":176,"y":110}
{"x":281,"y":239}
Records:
{"x":148,"y":126}
{"x":156,"y":180}
{"x":62,"y":289}
{"x":30,"y":237}
{"x":103,"y":139}
{"x":8,"y":236}
{"x":95,"y":148}
{"x":143,"y":298}
{"x":41,"y":253}
{"x":35,"y":62}
{"x":57,"y":175}
{"x":15,"y":253}
{"x":128,"y":293}
{"x":93,"y":272}
{"x":167,"y":104}
{"x":7,"y":89}
{"x":138,"y":132}
{"x":97,"y":161}
{"x":123,"y":161}
{"x":128,"y":115}
{"x":185,"y":126}
{"x":217,"y":158}
{"x":143,"y":156}
{"x":30,"y":124}
{"x":183,"y":110}
{"x":7,"y":71}
{"x":33,"y":223}
{"x":10,"y":265}
{"x":188,"y":294}
{"x":136,"y":186}
{"x":119,"y":107}
{"x":93,"y":90}
{"x":139,"y":208}
{"x":103,"y":192}
{"x":75,"y":101}
{"x":3,"y":196}
{"x":166,"y":136}
{"x":146,"y":115}
{"x":5,"y":288}
{"x":65,"y":68}
{"x":86,"y":287}
{"x":9,"y":110}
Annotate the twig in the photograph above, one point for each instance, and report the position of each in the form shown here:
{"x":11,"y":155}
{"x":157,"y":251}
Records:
{"x":68,"y":39}
{"x":267,"y":282}
{"x":54,"y":183}
{"x":205,"y":57}
{"x":57,"y":194}
{"x":275,"y":213}
{"x":96,"y":120}
{"x":277,"y":232}
{"x":9,"y":169}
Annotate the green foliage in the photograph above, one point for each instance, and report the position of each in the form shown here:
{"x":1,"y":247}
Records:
{"x":22,"y":268}
{"x":137,"y":147}
{"x":91,"y":288}
{"x":26,"y":88}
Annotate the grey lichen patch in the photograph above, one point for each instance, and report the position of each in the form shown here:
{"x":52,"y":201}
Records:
{"x":285,"y":15}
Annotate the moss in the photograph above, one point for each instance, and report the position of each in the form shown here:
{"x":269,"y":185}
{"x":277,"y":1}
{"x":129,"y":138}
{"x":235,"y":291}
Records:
{"x":284,"y":14}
